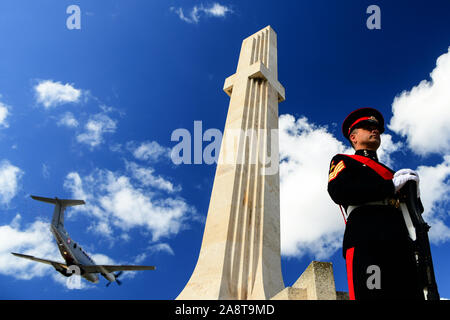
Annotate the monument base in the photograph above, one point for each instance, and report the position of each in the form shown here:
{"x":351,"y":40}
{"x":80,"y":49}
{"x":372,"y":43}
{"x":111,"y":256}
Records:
{"x":315,"y":283}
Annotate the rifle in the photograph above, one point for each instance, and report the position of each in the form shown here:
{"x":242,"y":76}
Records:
{"x":412,"y":210}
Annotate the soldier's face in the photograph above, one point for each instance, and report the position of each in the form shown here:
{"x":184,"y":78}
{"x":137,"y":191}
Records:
{"x":366,"y":137}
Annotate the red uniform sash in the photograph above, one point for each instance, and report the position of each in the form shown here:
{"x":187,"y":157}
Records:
{"x":378,"y":168}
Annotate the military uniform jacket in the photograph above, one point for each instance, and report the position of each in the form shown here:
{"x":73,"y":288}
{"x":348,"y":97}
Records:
{"x":351,"y":182}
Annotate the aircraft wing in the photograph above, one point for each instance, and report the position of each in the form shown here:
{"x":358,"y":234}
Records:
{"x":112,"y":268}
{"x":55,"y":264}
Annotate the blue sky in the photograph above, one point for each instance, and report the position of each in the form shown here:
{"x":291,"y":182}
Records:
{"x":89,"y":113}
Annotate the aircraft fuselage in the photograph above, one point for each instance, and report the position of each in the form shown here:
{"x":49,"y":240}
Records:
{"x":72,"y":253}
{"x":76,"y":260}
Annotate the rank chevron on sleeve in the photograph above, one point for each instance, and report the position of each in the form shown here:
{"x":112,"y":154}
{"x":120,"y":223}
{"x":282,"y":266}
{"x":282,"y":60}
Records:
{"x":336,"y":170}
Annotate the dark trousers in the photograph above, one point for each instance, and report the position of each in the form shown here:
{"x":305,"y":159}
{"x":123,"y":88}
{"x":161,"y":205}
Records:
{"x":382,"y":272}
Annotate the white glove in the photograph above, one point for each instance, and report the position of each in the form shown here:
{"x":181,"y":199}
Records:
{"x":405,"y":171}
{"x":404,"y":175}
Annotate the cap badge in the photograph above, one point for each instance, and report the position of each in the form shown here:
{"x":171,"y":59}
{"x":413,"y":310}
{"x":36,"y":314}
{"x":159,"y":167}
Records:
{"x":373,"y":119}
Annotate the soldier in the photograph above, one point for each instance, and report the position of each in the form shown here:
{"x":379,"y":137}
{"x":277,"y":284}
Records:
{"x":378,"y":252}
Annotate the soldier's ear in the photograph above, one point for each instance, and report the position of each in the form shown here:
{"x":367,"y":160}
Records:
{"x":352,"y":137}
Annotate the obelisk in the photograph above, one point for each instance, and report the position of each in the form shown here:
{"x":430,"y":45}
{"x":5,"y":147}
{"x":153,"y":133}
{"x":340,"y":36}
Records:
{"x":240,"y":252}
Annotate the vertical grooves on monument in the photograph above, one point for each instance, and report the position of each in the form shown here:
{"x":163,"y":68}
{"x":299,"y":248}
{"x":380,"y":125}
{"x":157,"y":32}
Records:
{"x":258,"y":43}
{"x":255,"y":208}
{"x":253,"y":58}
{"x":247,"y":191}
{"x":248,"y":209}
{"x":240,"y":248}
{"x":262,"y":48}
{"x":261,"y":191}
{"x":251,"y":210}
{"x":262,"y":194}
{"x":230,"y":258}
{"x":266,"y":48}
{"x":240,"y":191}
{"x":244,"y":193}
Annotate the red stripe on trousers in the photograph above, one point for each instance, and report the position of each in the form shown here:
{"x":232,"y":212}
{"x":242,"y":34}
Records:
{"x":349,"y":262}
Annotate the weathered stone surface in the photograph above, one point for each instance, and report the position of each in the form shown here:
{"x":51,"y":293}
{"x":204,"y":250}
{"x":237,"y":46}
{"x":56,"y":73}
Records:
{"x":290,"y":293}
{"x":240,"y":252}
{"x":315,"y":283}
{"x":341,"y":295}
{"x":318,"y":279}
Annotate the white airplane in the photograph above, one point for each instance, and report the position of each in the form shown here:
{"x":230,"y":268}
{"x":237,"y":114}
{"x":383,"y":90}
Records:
{"x":75,"y":257}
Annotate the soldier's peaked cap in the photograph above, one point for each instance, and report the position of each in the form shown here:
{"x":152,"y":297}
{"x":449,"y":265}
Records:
{"x":362,"y":116}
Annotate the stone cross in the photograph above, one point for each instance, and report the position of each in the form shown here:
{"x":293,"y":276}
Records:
{"x":240,"y":252}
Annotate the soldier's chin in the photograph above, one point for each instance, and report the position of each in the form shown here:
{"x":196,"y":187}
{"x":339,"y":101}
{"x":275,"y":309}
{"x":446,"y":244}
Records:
{"x":375,"y":144}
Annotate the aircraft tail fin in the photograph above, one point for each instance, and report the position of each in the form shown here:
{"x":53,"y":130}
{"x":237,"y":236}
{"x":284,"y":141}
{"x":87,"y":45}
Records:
{"x":62,"y":202}
{"x":60,"y":206}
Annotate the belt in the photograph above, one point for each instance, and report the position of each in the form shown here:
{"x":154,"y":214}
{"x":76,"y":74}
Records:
{"x":392,"y":202}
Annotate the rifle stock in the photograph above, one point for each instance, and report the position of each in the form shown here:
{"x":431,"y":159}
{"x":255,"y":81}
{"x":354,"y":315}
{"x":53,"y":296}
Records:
{"x":422,"y":244}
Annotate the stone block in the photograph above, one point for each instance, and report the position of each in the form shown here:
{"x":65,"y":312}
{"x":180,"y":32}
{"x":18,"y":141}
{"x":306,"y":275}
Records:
{"x":318,"y":280}
{"x":290,"y":293}
{"x":342,"y":295}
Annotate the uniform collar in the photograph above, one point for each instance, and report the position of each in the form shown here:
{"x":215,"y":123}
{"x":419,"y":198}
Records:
{"x":367,"y":153}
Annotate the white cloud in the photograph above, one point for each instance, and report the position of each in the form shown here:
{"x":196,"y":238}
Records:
{"x":4,"y":112}
{"x":147,"y":177}
{"x":435,"y":196}
{"x":388,"y":147}
{"x":35,"y":240}
{"x":68,"y":120}
{"x":51,"y":94}
{"x":180,"y":13}
{"x":45,"y":171}
{"x":194,"y":15}
{"x":95,"y":128}
{"x":120,"y":203}
{"x":161,"y":247}
{"x":149,"y":151}
{"x":311,"y":222}
{"x":422,"y":114}
{"x":216,"y":10}
{"x":9,"y":181}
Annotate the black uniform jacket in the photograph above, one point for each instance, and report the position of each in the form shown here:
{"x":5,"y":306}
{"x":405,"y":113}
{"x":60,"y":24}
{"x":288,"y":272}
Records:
{"x":351,"y":182}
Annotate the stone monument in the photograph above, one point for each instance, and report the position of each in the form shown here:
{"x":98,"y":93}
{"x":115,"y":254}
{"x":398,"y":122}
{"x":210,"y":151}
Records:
{"x":240,"y":252}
